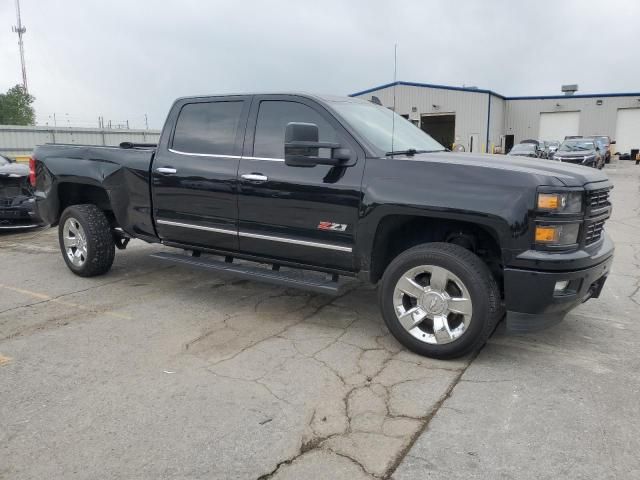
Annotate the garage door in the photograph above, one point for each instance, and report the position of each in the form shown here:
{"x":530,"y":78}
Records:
{"x":627,"y":130}
{"x":557,"y":125}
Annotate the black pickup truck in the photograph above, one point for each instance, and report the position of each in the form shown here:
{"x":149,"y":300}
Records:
{"x":341,"y":187}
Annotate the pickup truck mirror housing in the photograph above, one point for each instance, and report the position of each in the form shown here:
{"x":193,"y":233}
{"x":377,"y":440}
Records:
{"x":302,"y":148}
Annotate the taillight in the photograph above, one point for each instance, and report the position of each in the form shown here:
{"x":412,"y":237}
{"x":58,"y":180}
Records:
{"x":32,"y":171}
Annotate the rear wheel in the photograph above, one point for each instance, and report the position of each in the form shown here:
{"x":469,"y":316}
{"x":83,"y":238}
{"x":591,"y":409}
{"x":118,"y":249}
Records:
{"x":85,"y":240}
{"x":440,"y":300}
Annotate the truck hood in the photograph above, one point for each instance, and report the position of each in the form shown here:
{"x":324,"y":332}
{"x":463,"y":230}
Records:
{"x":568,"y":174}
{"x":14,"y":170}
{"x":576,"y":154}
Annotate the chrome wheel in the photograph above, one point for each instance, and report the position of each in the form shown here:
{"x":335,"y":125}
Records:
{"x":75,"y":242}
{"x":432,"y":304}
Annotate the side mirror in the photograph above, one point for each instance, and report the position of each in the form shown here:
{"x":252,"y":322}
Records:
{"x":302,"y":148}
{"x":613,"y":142}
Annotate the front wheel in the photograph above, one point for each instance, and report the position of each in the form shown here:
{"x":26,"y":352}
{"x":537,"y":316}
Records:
{"x":440,"y":300}
{"x":86,"y":241}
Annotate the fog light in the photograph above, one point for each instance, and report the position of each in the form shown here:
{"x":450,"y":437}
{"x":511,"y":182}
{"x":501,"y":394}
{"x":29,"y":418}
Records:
{"x":561,"y":286}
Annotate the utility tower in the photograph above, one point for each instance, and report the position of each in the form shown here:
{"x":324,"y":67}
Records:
{"x":20,"y":30}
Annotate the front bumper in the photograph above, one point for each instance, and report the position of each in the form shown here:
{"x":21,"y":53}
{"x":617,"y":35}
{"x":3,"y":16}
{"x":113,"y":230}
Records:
{"x":18,"y":214}
{"x":531,"y":302}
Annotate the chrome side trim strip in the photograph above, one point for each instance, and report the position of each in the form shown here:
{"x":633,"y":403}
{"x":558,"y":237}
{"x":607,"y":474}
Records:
{"x":213,"y":155}
{"x":268,"y":159}
{"x":306,"y":243}
{"x":258,"y":236}
{"x":197,"y":227}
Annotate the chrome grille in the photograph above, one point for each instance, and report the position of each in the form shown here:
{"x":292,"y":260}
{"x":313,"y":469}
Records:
{"x":594,"y":232}
{"x":6,"y":202}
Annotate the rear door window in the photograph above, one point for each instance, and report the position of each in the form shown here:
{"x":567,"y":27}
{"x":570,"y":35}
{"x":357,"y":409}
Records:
{"x":208,"y":128}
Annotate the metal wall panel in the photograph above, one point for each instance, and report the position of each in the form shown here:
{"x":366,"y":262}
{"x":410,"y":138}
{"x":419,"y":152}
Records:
{"x":520,"y":117}
{"x":523,"y":116}
{"x":470,"y":108}
{"x":19,"y":141}
{"x":497,"y":122}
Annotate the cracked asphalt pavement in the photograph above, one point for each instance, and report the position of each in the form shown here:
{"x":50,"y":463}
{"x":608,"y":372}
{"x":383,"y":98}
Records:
{"x":156,"y":371}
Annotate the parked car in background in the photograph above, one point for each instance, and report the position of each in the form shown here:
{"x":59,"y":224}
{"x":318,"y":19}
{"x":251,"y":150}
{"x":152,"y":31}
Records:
{"x":549,"y":147}
{"x":16,"y":196}
{"x":581,"y":151}
{"x":525,"y":150}
{"x":605,"y":146}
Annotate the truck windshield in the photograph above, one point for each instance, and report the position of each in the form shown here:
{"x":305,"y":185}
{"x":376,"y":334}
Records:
{"x":375,"y":123}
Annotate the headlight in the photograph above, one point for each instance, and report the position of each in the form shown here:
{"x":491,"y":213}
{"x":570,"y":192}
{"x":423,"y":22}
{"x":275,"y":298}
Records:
{"x":558,"y":234}
{"x":567,"y":202}
{"x":586,"y":159}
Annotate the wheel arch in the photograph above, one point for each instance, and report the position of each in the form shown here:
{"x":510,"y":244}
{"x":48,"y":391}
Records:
{"x":72,"y":193}
{"x":395,"y":233}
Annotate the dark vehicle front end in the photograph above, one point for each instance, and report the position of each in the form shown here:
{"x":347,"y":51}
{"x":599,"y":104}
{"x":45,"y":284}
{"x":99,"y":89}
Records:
{"x":543,"y":283}
{"x":464,"y":197}
{"x":580,"y":151}
{"x":16,"y":196}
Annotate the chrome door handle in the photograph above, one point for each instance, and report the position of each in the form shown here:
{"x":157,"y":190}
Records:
{"x":166,"y":170}
{"x":255,"y":177}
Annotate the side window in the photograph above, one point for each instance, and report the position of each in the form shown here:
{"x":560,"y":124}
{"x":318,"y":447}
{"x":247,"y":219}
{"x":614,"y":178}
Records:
{"x":207,"y":127}
{"x":273,"y":117}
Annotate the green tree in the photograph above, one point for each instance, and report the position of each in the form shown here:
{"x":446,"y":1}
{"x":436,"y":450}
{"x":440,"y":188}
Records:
{"x":15,"y":107}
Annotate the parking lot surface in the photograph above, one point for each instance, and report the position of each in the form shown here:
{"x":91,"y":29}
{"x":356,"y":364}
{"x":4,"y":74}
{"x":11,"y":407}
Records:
{"x":156,"y":371}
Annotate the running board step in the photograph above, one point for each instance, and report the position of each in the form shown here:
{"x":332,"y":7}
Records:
{"x":313,"y":281}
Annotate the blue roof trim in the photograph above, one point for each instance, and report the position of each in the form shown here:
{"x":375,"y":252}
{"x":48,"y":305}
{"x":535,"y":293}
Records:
{"x":427,"y":85}
{"x":590,"y":95}
{"x":481,"y":90}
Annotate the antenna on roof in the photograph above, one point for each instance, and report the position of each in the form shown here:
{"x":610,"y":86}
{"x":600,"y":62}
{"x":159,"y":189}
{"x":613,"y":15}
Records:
{"x":395,"y":74}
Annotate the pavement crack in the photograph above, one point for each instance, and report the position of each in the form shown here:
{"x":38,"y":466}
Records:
{"x":428,"y":418}
{"x":62,"y":295}
{"x":488,"y":381}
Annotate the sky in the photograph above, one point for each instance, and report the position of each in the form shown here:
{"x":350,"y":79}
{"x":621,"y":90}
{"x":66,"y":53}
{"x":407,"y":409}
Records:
{"x":123,"y":60}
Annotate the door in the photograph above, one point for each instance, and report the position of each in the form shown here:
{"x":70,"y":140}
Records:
{"x":441,"y":126}
{"x":627,"y":130}
{"x":557,"y":125}
{"x":508,"y":143}
{"x":307,"y":215}
{"x":194,"y":173}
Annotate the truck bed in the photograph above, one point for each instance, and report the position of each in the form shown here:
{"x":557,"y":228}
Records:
{"x":122,"y":174}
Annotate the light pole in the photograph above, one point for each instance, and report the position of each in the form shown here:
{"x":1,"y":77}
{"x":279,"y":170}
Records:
{"x":20,"y":30}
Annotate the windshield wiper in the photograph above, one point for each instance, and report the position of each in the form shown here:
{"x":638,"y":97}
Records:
{"x":410,"y":152}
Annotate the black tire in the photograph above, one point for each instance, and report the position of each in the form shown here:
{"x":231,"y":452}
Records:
{"x":99,"y":240}
{"x":472,"y":271}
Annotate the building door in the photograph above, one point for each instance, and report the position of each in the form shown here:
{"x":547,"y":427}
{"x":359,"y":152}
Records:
{"x":557,"y":125}
{"x":508,"y":143}
{"x":627,"y":130}
{"x":441,"y":126}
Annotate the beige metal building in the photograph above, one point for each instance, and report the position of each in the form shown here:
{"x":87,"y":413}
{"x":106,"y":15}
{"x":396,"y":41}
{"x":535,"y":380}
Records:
{"x":480,"y":120}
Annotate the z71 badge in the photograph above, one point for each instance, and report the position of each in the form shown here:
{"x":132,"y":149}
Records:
{"x":336,"y":227}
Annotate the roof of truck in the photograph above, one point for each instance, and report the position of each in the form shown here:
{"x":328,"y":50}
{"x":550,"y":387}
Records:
{"x":314,"y":96}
